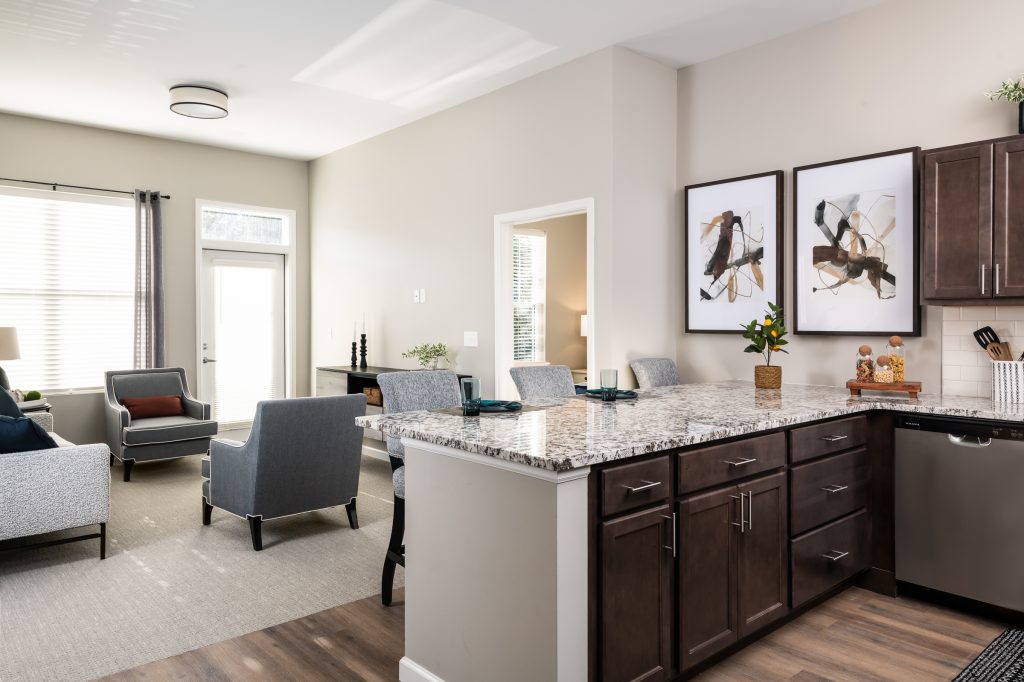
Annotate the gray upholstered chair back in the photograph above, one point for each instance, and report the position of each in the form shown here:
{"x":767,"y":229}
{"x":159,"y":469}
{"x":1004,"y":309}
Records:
{"x":409,"y":391}
{"x":141,"y":383}
{"x":543,"y":382}
{"x":653,"y":372}
{"x":308,"y":453}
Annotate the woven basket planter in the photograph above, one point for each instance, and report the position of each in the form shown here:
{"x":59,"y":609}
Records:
{"x":767,"y":376}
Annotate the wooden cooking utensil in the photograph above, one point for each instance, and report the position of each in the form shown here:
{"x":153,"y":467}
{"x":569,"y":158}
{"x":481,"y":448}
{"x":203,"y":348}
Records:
{"x":999,"y":351}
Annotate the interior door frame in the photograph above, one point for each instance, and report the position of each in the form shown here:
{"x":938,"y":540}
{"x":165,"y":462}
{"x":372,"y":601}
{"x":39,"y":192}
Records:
{"x":503,"y":226}
{"x":290,"y":281}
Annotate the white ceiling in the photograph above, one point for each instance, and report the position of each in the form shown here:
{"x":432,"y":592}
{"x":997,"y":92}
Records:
{"x":310,"y":76}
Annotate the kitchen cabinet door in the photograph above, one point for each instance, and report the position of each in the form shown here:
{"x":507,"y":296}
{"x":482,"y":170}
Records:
{"x":762,"y":573}
{"x":1008,"y":212}
{"x":708,"y":527}
{"x":636,"y":596}
{"x":956,"y":225}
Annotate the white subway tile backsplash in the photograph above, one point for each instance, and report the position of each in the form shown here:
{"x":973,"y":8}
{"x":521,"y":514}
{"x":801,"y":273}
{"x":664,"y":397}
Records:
{"x":966,"y":369}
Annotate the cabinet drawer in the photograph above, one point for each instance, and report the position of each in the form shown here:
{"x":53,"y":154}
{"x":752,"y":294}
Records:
{"x":827,"y":489}
{"x":826,"y":557}
{"x":718,"y":464}
{"x":631,"y":486}
{"x":808,"y":442}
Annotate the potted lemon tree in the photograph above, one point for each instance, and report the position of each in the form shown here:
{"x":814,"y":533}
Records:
{"x":767,"y":336}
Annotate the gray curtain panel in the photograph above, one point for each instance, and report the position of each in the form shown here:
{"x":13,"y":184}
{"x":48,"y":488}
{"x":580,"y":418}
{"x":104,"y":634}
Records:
{"x":149,"y":281}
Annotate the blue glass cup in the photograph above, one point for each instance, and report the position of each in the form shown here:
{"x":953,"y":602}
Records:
{"x":609,"y":384}
{"x":471,"y":396}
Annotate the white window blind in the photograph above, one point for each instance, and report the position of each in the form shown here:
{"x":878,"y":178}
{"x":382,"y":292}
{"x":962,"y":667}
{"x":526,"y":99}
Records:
{"x":67,"y":267}
{"x":529,"y":263}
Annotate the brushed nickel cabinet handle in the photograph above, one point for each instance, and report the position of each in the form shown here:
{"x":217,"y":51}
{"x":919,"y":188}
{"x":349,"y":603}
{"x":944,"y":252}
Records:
{"x":647,"y":485}
{"x":750,"y":510}
{"x":739,"y":462}
{"x":982,"y":279}
{"x":997,"y":279}
{"x":833,"y":439}
{"x":743,"y":519}
{"x":835,"y":555}
{"x":832,"y":489}
{"x":673,"y":545}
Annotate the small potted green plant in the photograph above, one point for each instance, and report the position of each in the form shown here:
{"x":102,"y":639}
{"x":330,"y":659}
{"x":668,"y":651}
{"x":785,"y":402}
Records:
{"x":429,"y":355}
{"x":1012,"y":91}
{"x":767,"y":336}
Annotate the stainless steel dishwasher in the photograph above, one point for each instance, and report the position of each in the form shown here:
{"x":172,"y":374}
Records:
{"x":960,"y":508}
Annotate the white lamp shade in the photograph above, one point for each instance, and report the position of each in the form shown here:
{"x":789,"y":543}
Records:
{"x":584,"y":325}
{"x":198,"y":102}
{"x":9,"y":349}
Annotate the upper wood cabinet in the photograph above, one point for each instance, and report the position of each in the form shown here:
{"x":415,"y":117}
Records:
{"x":973,"y":222}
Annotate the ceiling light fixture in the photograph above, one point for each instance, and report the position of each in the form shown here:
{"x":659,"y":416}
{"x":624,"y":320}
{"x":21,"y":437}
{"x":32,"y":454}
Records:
{"x":197,"y":101}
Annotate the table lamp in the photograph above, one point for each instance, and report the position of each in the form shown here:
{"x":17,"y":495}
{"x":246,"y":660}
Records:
{"x":8,"y":351}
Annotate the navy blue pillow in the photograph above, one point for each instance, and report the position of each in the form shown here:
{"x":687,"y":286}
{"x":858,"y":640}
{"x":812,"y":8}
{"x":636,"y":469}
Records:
{"x":8,"y":406}
{"x":21,"y":434}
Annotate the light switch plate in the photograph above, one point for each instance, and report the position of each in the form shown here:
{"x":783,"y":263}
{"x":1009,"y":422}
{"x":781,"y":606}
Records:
{"x":470,"y":339}
{"x":423,"y":295}
{"x":415,"y":295}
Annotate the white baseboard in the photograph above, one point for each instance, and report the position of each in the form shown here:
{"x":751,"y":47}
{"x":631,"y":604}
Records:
{"x":410,"y":671}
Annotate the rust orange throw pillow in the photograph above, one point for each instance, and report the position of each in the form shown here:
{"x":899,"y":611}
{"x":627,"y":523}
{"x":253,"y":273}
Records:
{"x":154,"y":406}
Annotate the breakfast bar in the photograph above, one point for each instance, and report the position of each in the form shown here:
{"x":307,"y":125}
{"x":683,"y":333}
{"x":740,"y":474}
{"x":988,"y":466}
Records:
{"x":645,"y":538}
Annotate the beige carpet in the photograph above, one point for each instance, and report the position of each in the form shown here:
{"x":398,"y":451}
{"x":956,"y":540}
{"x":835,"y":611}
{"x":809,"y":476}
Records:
{"x":170,"y":585}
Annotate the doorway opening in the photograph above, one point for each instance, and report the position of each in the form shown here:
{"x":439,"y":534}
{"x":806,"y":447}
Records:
{"x":544,"y":292}
{"x":245,"y":285}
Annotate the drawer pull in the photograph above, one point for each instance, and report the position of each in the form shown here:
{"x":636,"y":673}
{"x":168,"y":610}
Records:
{"x":739,"y":462}
{"x":833,"y":439}
{"x":647,"y":485}
{"x":674,"y":531}
{"x":835,"y":555}
{"x":832,"y":489}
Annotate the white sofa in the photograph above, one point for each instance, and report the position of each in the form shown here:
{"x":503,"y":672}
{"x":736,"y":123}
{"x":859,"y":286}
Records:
{"x":43,"y":491}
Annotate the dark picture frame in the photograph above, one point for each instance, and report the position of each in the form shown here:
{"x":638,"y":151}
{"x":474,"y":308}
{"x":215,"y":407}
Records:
{"x":694,"y":272}
{"x":807,"y":182}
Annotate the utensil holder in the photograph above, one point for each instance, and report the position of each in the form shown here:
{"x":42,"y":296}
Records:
{"x":1008,"y":382}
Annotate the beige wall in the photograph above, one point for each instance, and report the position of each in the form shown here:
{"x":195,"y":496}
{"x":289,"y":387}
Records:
{"x":44,"y":150}
{"x":905,"y":73}
{"x":566,"y":289}
{"x":415,"y":207}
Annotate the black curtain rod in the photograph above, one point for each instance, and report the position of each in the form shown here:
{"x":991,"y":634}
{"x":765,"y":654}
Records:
{"x":55,"y":185}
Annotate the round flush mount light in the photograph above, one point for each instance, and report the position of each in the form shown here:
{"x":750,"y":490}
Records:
{"x":197,"y":101}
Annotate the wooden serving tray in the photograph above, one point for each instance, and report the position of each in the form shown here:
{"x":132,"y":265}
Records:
{"x":910,"y":387}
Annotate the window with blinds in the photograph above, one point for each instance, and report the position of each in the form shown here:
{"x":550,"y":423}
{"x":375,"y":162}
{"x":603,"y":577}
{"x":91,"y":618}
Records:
{"x":67,"y":283}
{"x":529,"y":263}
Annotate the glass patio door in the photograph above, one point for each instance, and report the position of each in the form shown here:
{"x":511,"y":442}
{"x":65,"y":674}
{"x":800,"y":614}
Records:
{"x":242,"y":332}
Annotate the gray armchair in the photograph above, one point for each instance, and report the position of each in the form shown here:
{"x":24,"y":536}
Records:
{"x":543,"y":382}
{"x":145,"y":440}
{"x":303,"y":454}
{"x":654,"y":372}
{"x":406,"y":392}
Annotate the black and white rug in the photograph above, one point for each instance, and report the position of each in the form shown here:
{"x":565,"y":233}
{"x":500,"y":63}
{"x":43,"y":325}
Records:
{"x":1001,"y":661}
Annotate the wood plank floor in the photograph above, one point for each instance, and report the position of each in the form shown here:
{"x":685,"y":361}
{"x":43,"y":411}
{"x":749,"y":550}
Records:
{"x":855,"y":636}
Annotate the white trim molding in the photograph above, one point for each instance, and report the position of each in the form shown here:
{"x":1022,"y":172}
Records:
{"x":411,"y":671}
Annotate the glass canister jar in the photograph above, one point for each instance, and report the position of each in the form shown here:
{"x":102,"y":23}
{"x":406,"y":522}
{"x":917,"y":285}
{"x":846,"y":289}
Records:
{"x":897,"y":358}
{"x":883,"y":370}
{"x":865,"y":364}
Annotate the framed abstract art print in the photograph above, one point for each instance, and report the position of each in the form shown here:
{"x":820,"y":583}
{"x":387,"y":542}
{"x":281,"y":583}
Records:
{"x":855,"y":231}
{"x":733,"y":251}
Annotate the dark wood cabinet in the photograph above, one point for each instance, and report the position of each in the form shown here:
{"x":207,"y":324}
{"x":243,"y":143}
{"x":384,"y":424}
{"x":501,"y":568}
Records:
{"x":972,"y":222}
{"x":1008,"y":218}
{"x":733,"y":568}
{"x":637,"y":604}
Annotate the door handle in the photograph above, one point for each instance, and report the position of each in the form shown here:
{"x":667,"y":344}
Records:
{"x":982,"y":279}
{"x":832,"y":489}
{"x":978,"y":442}
{"x":750,"y":510}
{"x":835,"y":555}
{"x":743,"y":518}
{"x":739,"y":462}
{"x":208,"y":360}
{"x":673,"y":545}
{"x":997,"y":279}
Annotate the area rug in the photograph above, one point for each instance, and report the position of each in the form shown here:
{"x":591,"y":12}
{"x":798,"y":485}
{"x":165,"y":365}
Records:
{"x":171,"y":585}
{"x":1001,"y":661}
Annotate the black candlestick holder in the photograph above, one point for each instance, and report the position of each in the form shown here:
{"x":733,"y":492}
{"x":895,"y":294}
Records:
{"x":362,"y":351}
{"x":355,"y":360}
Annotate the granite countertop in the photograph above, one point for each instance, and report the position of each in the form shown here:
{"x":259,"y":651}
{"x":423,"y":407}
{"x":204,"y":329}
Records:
{"x":578,"y":432}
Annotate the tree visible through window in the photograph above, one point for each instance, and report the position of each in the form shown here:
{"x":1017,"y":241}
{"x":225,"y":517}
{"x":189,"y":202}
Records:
{"x":529,"y":263}
{"x":67,"y":283}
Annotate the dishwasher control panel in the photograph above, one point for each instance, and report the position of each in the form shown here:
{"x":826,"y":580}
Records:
{"x":964,"y":427}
